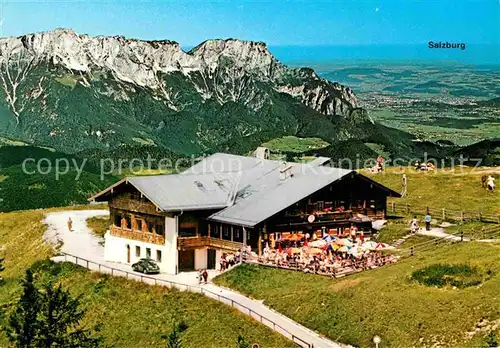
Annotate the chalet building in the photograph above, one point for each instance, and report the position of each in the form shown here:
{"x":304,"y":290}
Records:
{"x":187,"y":221}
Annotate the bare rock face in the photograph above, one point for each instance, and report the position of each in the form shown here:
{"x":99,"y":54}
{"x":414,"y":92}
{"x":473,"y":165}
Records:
{"x":223,"y":70}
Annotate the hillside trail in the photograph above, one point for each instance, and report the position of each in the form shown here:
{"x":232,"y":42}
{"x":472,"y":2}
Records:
{"x":80,"y":242}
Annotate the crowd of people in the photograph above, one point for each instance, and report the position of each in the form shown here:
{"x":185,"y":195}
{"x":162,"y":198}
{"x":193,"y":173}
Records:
{"x":328,"y":256}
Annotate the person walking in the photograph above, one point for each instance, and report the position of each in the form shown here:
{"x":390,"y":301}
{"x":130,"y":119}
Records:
{"x":404,"y":182}
{"x":414,"y":225}
{"x":205,"y":276}
{"x":70,"y":224}
{"x":428,"y":221}
{"x":380,"y":163}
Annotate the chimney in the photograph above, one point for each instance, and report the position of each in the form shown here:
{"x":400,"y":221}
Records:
{"x":285,"y":170}
{"x":261,"y":153}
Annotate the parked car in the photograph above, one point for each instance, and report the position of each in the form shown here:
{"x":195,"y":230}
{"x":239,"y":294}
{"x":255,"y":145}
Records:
{"x":146,"y":266}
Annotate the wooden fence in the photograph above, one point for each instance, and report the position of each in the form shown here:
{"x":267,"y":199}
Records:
{"x":445,"y":214}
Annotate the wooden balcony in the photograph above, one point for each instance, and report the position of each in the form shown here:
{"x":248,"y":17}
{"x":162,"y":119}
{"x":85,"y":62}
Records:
{"x":137,"y":235}
{"x":133,"y":205}
{"x":186,"y":243}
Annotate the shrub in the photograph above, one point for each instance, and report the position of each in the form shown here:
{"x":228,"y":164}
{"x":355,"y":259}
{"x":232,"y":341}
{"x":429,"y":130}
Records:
{"x":442,"y":275}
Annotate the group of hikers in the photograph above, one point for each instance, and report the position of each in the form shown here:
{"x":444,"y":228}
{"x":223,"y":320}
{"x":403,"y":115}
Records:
{"x":226,"y":261}
{"x":414,"y":227}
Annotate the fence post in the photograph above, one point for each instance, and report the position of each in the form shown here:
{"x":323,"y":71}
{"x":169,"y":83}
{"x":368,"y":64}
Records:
{"x":411,"y":251}
{"x":65,"y":258}
{"x":99,"y":268}
{"x":88,"y":264}
{"x":462,"y":236}
{"x":444,"y":214}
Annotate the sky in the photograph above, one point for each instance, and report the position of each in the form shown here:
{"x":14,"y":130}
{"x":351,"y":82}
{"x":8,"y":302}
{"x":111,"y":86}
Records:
{"x":278,"y":23}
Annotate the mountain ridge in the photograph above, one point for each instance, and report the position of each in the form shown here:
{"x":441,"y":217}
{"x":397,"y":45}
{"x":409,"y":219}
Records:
{"x":77,"y":93}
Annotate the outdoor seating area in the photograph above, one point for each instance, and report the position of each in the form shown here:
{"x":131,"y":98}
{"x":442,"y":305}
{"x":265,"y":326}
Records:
{"x":330,"y":255}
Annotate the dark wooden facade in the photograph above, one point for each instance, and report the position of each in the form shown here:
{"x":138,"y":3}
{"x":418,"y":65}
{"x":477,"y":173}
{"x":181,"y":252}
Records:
{"x":333,"y":208}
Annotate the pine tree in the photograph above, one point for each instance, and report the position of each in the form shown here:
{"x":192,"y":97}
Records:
{"x":23,"y":323}
{"x":242,"y":343}
{"x":48,"y":318}
{"x":59,"y":321}
{"x":173,"y":338}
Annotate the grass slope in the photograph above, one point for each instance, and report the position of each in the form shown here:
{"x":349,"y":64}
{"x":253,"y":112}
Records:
{"x":98,"y":225}
{"x":383,"y":301}
{"x":130,"y":314}
{"x":458,"y":190}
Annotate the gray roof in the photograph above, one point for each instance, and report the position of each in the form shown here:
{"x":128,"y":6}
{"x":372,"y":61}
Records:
{"x":319,"y":161}
{"x":260,"y":197}
{"x":247,"y":190}
{"x":188,"y":192}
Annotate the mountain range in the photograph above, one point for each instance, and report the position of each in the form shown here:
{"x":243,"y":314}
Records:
{"x":65,"y":95}
{"x":77,"y":93}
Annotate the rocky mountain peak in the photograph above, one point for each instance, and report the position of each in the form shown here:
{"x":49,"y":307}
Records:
{"x":222,"y":70}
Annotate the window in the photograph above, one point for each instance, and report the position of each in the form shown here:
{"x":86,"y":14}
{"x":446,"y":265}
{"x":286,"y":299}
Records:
{"x":215,"y":231}
{"x":158,"y":255}
{"x":139,"y":224}
{"x":238,"y":234}
{"x":118,"y":220}
{"x":226,"y":232}
{"x":127,"y":222}
{"x":148,"y":253}
{"x":187,"y":232}
{"x":137,"y":251}
{"x":159,"y":229}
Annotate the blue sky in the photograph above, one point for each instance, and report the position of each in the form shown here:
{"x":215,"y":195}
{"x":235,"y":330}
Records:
{"x":274,"y":22}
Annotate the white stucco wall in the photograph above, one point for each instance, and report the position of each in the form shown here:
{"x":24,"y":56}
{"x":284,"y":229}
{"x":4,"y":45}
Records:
{"x":171,"y":233}
{"x":200,"y":258}
{"x":115,"y":250}
{"x":218,"y":256}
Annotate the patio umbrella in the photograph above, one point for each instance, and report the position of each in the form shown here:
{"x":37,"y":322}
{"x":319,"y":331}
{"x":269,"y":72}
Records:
{"x":356,"y":251}
{"x":314,"y":251}
{"x":370,"y":245}
{"x":295,"y":237}
{"x":318,"y":243}
{"x":345,"y":249}
{"x":344,"y":241}
{"x":381,"y":246}
{"x":329,"y":238}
